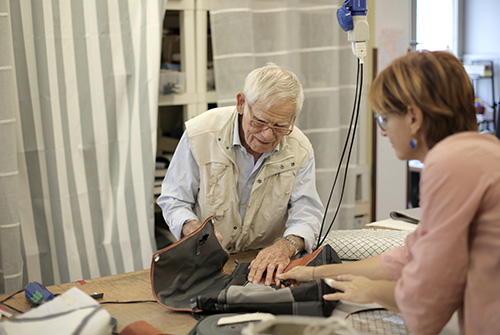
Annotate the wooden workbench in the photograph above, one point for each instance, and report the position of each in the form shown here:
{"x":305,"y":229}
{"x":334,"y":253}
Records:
{"x":131,"y":286}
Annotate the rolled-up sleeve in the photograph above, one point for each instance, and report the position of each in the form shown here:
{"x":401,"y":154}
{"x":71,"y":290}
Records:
{"x":394,"y":260}
{"x":179,"y":188}
{"x":306,"y":209}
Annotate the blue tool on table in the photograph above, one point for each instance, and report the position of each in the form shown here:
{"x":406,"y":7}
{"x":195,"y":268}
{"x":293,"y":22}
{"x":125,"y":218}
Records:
{"x":37,"y":294}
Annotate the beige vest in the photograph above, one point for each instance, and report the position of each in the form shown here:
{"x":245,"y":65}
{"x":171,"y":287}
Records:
{"x":211,"y":140}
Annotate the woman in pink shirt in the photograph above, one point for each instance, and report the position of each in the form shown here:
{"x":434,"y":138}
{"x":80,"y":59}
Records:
{"x":424,"y":104}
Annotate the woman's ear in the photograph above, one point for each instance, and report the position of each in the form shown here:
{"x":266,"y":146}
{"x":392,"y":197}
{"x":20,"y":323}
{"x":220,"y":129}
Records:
{"x":416,"y":119}
{"x":240,"y":103}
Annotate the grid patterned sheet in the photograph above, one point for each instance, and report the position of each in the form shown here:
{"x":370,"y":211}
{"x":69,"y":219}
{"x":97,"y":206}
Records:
{"x":358,"y":244}
{"x":377,"y":321}
{"x":363,"y":243}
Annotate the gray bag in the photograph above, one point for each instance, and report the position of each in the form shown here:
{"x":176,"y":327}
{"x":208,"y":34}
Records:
{"x":187,"y":276}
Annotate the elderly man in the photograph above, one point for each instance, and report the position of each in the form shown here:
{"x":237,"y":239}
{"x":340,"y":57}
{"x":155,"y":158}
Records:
{"x":251,"y":169}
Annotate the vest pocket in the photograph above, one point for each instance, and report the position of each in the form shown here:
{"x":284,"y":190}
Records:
{"x":216,"y":184}
{"x":275,"y":196}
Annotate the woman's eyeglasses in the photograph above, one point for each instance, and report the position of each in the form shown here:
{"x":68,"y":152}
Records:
{"x":381,"y":121}
{"x":261,"y":125}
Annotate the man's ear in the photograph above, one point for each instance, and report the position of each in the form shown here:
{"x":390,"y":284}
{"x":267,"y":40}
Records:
{"x":416,"y":119}
{"x":240,"y":103}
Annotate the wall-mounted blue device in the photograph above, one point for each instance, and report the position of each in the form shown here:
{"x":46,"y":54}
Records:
{"x":352,"y":19}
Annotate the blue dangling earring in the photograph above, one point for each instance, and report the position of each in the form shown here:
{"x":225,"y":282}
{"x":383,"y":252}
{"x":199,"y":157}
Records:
{"x":413,"y":143}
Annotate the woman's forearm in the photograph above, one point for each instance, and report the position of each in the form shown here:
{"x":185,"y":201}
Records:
{"x":370,"y":268}
{"x":382,"y":292}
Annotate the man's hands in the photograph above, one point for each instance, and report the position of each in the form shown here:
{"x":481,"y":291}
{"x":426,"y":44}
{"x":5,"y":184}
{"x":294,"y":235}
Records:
{"x":192,"y":225}
{"x":270,"y":262}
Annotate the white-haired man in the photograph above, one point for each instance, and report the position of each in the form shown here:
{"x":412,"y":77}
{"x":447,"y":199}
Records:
{"x":249,"y":167}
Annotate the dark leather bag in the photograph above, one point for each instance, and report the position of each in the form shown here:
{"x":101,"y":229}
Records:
{"x":188,"y":276}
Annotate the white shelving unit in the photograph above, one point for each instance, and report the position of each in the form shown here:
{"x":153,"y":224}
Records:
{"x":190,"y":18}
{"x":193,"y":37}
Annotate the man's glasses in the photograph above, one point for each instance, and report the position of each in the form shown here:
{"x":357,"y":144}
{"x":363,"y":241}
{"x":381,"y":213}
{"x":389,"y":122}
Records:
{"x":381,"y":121}
{"x":261,"y":125}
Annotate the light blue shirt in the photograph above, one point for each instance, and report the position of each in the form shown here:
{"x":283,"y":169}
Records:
{"x":181,"y":185}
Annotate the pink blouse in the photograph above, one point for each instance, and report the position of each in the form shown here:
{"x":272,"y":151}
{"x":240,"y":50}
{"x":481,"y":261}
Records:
{"x":452,"y":260}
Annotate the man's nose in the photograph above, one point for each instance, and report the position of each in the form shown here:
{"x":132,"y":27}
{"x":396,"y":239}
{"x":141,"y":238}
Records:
{"x":268,"y":133}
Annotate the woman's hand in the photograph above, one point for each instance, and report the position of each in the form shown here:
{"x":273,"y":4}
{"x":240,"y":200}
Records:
{"x":353,"y":288}
{"x":299,"y":274}
{"x":362,"y":290}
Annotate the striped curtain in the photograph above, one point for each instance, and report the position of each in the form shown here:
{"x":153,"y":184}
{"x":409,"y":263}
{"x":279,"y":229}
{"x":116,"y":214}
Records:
{"x":303,"y":36}
{"x":10,"y":229}
{"x":85,"y":109}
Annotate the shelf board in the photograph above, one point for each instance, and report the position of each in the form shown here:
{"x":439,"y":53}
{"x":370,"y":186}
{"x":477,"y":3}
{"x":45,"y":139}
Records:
{"x":179,"y":5}
{"x":177,"y":99}
{"x":187,"y":98}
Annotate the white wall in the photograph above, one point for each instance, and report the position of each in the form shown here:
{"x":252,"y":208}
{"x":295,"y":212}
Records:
{"x":481,"y":27}
{"x":482,"y":41}
{"x":390,"y":17}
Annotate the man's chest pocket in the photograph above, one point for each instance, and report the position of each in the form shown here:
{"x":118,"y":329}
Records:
{"x":216,"y":183}
{"x":277,"y":190}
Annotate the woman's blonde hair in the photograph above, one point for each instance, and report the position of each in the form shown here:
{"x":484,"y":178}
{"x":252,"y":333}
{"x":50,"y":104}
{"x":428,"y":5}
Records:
{"x":437,"y":83}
